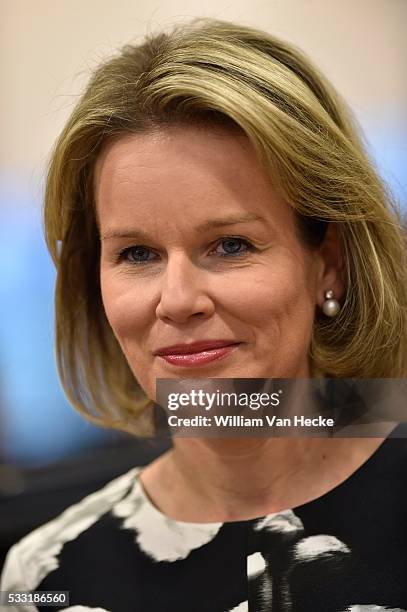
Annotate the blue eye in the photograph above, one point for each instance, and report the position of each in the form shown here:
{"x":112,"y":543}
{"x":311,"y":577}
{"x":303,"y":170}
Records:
{"x":231,"y":246}
{"x":139,"y":254}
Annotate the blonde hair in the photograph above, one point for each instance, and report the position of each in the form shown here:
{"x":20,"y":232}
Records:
{"x":211,"y":72}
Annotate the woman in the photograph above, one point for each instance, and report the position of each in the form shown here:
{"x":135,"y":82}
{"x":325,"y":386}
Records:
{"x":212,"y":214}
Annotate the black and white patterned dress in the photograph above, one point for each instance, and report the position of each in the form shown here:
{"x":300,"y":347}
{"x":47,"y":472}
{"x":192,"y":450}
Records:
{"x":115,"y":552}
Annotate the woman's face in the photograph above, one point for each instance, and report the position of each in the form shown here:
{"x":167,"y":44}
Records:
{"x":195,"y":246}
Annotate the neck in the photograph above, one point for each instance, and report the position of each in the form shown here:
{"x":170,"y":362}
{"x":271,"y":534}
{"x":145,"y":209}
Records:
{"x":211,"y":480}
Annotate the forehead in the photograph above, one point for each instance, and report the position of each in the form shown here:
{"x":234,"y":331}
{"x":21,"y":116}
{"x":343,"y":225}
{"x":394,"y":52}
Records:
{"x":217,"y":151}
{"x":202,"y":170}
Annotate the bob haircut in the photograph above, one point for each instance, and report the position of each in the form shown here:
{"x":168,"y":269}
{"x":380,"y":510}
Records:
{"x":215,"y":73}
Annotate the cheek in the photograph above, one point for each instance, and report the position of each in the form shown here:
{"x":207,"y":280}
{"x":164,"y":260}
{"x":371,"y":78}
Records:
{"x":280,"y":299}
{"x":126,"y":311}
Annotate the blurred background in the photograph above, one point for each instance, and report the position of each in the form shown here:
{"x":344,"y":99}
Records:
{"x":49,"y":456}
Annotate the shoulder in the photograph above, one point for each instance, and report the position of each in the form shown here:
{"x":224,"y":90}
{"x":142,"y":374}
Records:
{"x":35,"y":555}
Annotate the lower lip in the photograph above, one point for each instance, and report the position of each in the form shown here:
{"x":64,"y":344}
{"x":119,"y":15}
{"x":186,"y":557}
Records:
{"x":197,"y":359}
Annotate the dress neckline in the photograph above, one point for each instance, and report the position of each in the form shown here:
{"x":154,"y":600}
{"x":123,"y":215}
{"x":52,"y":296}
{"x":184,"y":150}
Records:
{"x":368,"y":464}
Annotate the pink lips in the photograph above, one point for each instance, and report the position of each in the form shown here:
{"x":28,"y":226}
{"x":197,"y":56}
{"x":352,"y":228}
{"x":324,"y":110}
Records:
{"x":197,"y":353}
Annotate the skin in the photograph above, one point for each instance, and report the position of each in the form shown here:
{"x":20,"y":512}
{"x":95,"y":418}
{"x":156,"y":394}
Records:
{"x":176,"y":287}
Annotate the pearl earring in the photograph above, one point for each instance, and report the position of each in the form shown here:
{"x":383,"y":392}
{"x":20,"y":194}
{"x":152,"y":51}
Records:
{"x":330,"y":307}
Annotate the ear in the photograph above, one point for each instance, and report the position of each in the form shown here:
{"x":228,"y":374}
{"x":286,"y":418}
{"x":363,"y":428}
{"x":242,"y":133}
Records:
{"x":332,"y":265}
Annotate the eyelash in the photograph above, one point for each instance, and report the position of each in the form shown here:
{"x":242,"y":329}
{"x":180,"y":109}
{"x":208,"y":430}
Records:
{"x":250,"y":248}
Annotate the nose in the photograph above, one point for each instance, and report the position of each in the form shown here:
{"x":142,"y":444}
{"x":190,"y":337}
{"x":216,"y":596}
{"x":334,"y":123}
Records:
{"x":183,"y":291}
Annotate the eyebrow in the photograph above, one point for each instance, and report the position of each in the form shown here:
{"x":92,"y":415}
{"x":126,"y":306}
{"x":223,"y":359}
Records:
{"x":203,"y":227}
